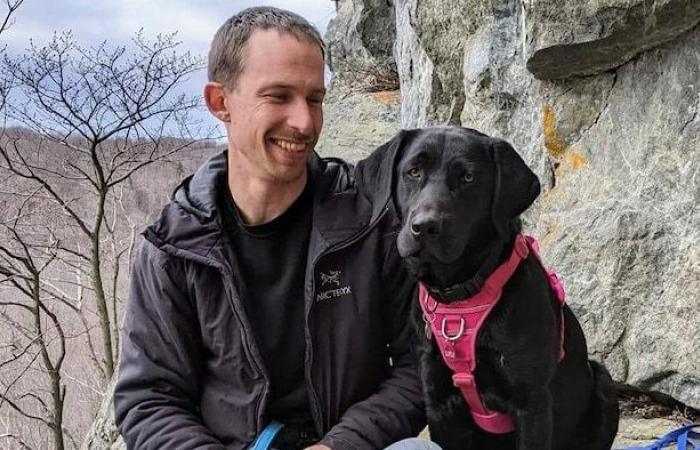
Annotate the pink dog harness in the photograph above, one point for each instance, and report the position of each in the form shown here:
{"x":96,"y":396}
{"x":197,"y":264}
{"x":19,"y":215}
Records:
{"x":456,"y":326}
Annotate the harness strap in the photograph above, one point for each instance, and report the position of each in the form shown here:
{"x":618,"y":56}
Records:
{"x":456,"y":326}
{"x":558,"y":289}
{"x":681,"y":436}
{"x":265,"y":438}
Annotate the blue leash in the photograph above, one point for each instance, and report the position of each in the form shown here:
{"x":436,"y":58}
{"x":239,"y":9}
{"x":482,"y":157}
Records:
{"x":680,"y":436}
{"x":264,"y":439}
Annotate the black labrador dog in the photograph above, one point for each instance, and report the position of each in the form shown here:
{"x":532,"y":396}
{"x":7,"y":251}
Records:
{"x":459,"y":194}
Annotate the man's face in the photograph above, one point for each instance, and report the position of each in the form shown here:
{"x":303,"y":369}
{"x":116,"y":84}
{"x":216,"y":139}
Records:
{"x":276,"y":106}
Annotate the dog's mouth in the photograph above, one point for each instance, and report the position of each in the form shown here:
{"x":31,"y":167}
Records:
{"x":424,"y":271}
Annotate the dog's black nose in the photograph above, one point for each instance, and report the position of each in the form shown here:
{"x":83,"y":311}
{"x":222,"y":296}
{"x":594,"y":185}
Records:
{"x":424,"y":225}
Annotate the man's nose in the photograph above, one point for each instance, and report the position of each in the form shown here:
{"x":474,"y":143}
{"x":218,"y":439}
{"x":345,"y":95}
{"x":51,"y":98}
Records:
{"x":301,"y":118}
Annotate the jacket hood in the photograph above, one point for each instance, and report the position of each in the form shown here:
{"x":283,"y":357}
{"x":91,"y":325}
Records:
{"x":197,"y":194}
{"x":190,"y":222}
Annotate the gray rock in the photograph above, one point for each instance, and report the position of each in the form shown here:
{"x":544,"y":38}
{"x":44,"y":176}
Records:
{"x":360,"y":41}
{"x":430,"y":41}
{"x":103,"y":434}
{"x":565,"y":38}
{"x":622,"y":222}
{"x":356,"y":123}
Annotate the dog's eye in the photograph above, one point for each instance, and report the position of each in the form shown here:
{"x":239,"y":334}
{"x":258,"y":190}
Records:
{"x":468,"y":177}
{"x":413,"y":172}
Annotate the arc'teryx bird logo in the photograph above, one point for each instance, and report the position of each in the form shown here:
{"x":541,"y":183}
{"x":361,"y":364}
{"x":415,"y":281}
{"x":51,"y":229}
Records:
{"x":332,"y":278}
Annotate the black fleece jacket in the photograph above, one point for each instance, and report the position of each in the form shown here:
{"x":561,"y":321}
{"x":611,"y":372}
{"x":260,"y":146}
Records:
{"x":190,"y":373}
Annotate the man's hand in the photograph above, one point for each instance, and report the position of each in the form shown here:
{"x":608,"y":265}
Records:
{"x":318,"y":447}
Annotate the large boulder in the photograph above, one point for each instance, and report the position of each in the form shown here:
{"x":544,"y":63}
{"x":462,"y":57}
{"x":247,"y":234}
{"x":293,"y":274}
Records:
{"x":618,"y":154}
{"x":622,"y":222}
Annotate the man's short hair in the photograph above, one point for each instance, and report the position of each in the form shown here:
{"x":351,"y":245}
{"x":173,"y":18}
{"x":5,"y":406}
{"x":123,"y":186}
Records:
{"x":226,"y":56}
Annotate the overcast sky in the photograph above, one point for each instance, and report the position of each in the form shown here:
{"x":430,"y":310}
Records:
{"x":116,"y":21}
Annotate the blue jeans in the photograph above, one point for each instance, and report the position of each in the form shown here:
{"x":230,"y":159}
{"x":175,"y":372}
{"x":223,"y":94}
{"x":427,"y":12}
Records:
{"x":414,"y":444}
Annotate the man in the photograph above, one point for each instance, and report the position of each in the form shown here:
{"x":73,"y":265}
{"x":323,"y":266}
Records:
{"x":270,"y":290}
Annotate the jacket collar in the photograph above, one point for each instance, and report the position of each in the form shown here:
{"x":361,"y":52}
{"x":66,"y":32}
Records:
{"x":190,"y":223}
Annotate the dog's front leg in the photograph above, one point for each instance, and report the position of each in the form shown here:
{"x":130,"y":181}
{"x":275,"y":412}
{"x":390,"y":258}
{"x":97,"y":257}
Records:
{"x":533,"y":422}
{"x":449,"y":421}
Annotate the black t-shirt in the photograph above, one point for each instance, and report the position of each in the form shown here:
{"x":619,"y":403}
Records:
{"x":269,"y":264}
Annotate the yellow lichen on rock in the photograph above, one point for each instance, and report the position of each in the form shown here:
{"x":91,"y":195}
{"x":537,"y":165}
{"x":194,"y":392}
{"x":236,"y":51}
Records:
{"x":551,"y":142}
{"x":568,"y":159}
{"x":388,"y":97}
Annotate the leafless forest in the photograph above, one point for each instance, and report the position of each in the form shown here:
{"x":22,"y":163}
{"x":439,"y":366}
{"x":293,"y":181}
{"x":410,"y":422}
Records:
{"x":92,"y":138}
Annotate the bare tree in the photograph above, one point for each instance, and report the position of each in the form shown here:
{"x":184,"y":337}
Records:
{"x":7,"y":22}
{"x":12,"y":7}
{"x":38,"y":344}
{"x":103,"y":114}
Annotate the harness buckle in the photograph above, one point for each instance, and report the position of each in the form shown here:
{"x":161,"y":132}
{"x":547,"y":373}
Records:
{"x":462,"y":379}
{"x":453,"y":337}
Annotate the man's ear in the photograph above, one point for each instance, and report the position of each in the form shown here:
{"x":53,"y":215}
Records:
{"x":215,"y":98}
{"x":515,"y":188}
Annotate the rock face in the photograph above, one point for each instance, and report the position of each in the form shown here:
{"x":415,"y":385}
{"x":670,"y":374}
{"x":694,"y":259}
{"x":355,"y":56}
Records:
{"x":360,"y":41}
{"x":355,"y":123}
{"x":618,"y":153}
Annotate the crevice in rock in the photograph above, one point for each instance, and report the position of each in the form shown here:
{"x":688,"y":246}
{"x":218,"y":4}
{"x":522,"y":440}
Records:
{"x":629,"y":393}
{"x":689,"y":121}
{"x":584,"y":131}
{"x":552,"y":165}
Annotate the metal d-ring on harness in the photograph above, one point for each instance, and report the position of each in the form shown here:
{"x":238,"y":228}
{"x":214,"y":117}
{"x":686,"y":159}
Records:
{"x":457,"y":335}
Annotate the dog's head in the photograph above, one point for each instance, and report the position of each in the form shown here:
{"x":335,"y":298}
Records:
{"x":456,"y":190}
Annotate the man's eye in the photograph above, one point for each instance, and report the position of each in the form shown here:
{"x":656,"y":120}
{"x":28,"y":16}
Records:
{"x":316,"y":101}
{"x":468,"y":177}
{"x":278,"y":97}
{"x":414,"y":172}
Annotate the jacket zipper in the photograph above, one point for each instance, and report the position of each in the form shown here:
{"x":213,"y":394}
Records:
{"x":227,"y":277}
{"x":246,"y":343}
{"x":338,"y":246}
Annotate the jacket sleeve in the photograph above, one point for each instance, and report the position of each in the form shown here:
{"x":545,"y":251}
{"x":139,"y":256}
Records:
{"x":155,"y":398}
{"x":396,"y":411}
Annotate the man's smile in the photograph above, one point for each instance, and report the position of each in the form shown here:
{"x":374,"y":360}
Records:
{"x":290,"y":146}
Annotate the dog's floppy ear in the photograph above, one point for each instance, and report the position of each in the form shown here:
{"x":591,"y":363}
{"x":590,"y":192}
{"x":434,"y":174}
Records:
{"x":516,"y":187}
{"x":375,"y":174}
